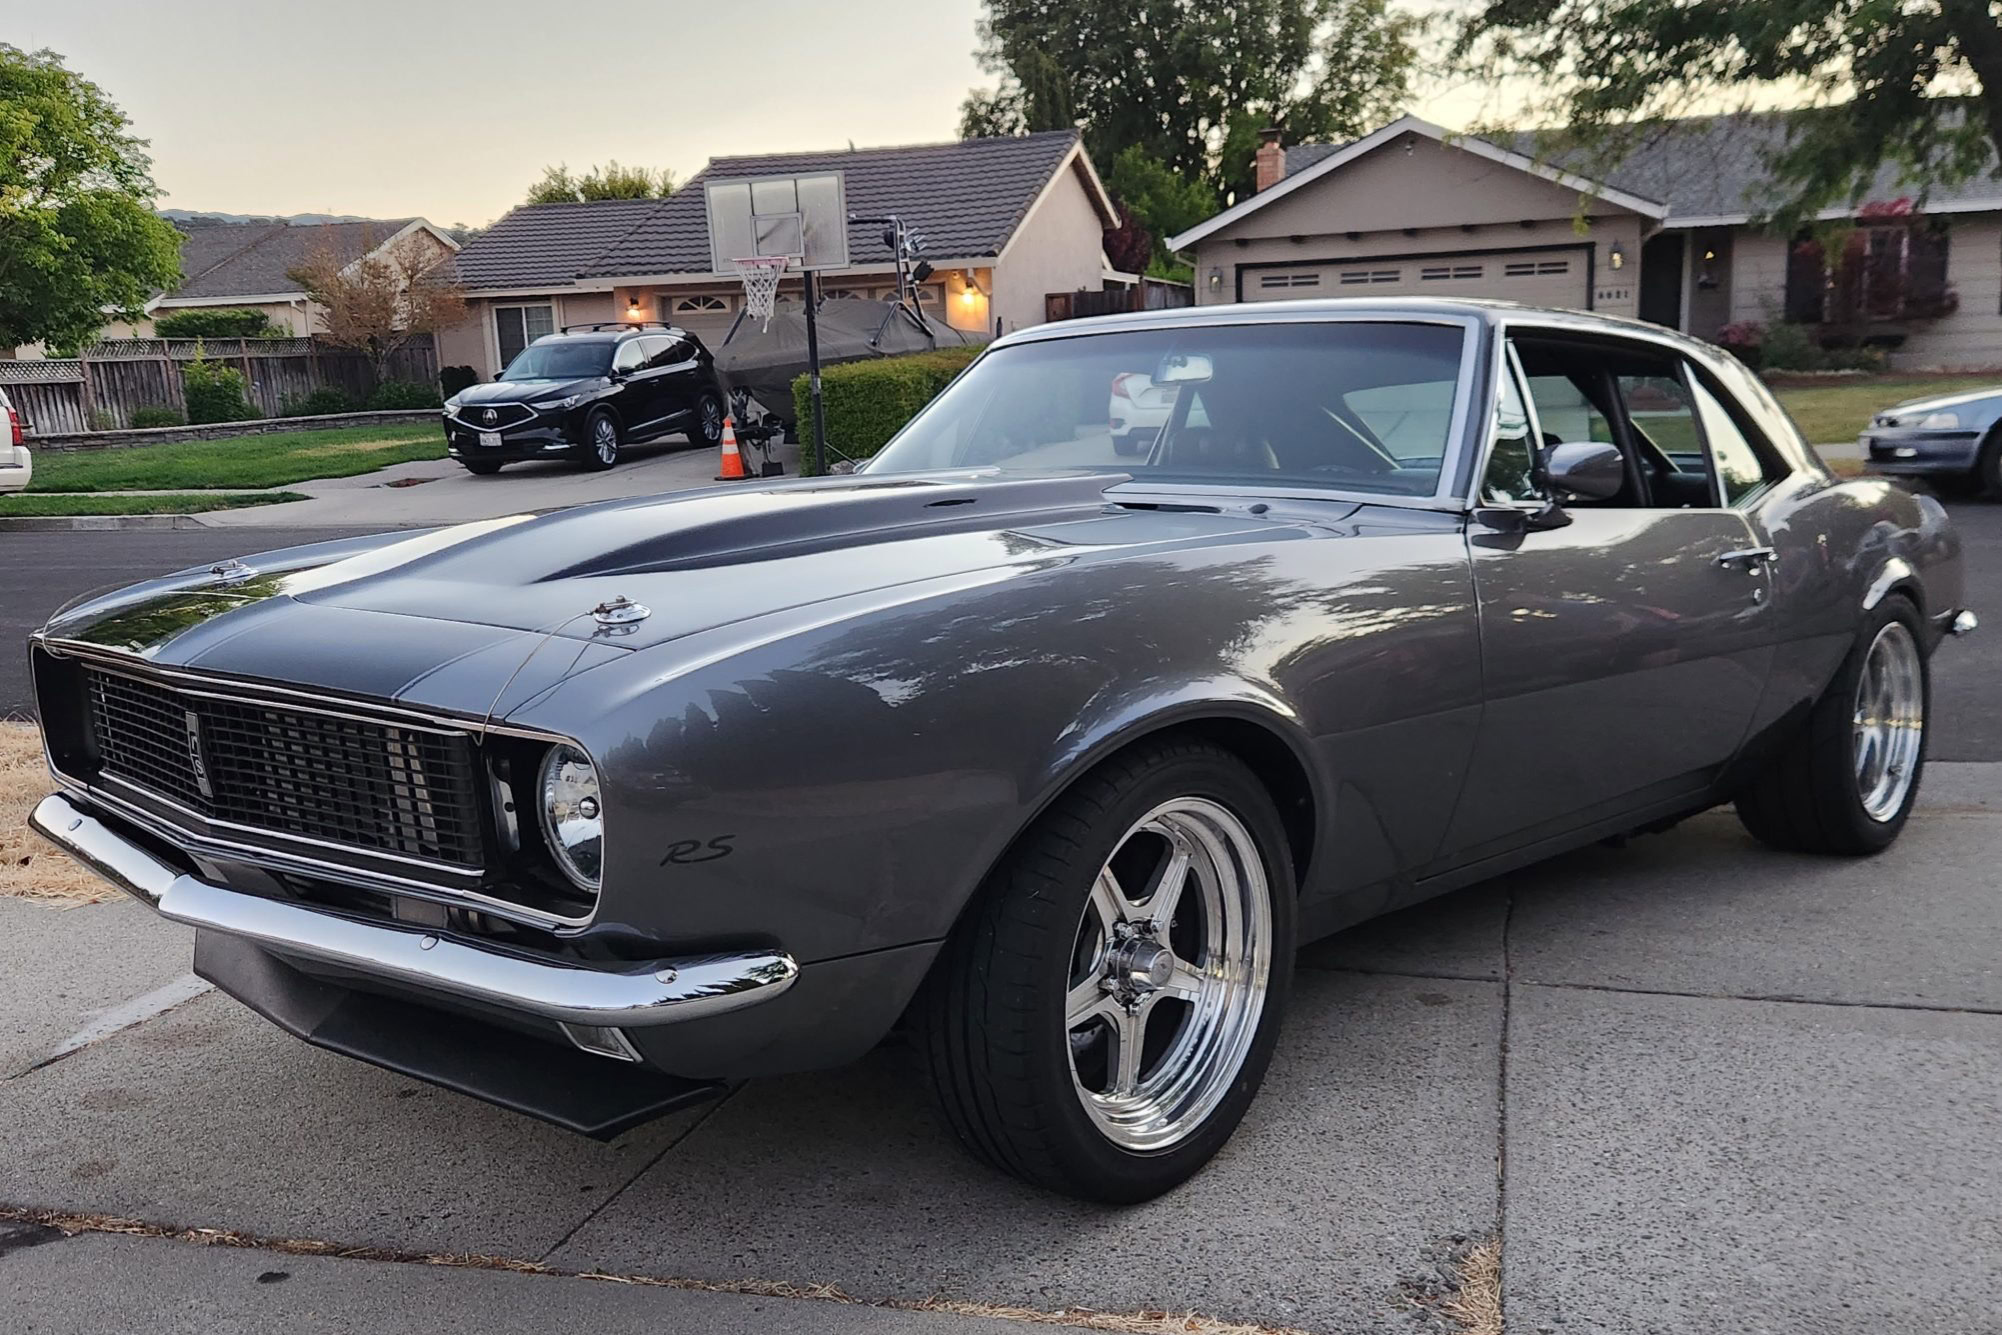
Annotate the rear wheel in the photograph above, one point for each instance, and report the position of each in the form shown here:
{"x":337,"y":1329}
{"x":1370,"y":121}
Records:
{"x":708,"y":419}
{"x":483,"y":467}
{"x":1847,"y":782}
{"x":1988,"y":466}
{"x":601,"y":441}
{"x":1102,"y":1018}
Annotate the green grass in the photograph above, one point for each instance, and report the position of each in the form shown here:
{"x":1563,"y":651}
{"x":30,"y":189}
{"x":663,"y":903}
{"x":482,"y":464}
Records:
{"x":1839,"y":409}
{"x":31,"y":504}
{"x":273,"y":459}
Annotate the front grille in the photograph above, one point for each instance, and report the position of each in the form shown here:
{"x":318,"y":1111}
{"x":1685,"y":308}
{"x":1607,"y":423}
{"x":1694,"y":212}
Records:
{"x":377,"y":787}
{"x":505,"y":415}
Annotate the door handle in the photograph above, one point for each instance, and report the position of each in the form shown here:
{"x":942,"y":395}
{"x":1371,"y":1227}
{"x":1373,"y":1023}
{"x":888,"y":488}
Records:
{"x":1750,"y":558}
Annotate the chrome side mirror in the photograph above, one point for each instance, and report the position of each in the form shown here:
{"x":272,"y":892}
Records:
{"x":1585,"y":470}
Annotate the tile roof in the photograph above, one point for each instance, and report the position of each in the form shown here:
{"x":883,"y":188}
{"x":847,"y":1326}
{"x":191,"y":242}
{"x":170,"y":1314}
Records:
{"x":967,"y":198}
{"x":255,"y":259}
{"x":1701,"y":167}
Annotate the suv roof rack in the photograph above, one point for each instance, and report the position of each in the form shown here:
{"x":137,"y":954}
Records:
{"x":616,"y":324}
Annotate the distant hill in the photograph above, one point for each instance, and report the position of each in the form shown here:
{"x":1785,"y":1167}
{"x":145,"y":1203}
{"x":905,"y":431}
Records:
{"x":201,"y":216}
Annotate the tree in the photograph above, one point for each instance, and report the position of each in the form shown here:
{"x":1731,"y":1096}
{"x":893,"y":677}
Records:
{"x":376,"y":301}
{"x":611,"y":181}
{"x":1192,"y":82}
{"x":1164,"y":202}
{"x":1916,"y":86}
{"x":78,"y":235}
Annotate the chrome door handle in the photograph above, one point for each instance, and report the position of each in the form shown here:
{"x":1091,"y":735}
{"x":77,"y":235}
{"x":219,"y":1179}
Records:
{"x":1749,"y":557}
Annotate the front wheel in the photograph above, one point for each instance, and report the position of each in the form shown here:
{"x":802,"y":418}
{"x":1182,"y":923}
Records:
{"x":1987,"y":476}
{"x":1846,"y":783}
{"x":708,"y":419}
{"x":1103,"y":1016}
{"x":601,"y":441}
{"x":482,"y":467}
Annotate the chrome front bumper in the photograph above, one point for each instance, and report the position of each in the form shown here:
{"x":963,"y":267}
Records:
{"x":634,"y":994}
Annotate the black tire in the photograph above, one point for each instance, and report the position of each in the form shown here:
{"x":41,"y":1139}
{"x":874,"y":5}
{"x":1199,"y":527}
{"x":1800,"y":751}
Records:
{"x":1808,"y":798}
{"x":602,"y":438}
{"x":1988,"y":466}
{"x":709,"y":413}
{"x":483,"y":467}
{"x":991,"y":1025}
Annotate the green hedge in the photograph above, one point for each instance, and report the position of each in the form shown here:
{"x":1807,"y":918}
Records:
{"x":869,"y":402}
{"x":215,"y":393}
{"x":216,"y":324}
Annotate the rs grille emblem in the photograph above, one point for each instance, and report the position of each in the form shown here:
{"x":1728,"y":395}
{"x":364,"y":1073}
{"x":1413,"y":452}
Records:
{"x":196,"y":760}
{"x":489,"y":417}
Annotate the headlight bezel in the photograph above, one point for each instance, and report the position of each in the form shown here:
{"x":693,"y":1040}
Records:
{"x":566,"y":846}
{"x":564,"y":404}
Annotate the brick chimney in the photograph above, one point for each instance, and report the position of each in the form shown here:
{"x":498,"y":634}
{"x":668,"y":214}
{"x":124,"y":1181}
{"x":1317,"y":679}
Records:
{"x":1271,"y":159}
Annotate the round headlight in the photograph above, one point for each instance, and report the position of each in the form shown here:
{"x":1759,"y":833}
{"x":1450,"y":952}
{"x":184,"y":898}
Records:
{"x":573,"y":815}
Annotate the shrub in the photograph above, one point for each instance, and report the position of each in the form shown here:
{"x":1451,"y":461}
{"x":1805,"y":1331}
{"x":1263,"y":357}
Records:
{"x":1743,"y":340}
{"x":392,"y":394}
{"x":103,"y":419}
{"x":319,"y":403}
{"x":157,"y":414}
{"x":215,"y":393}
{"x":217,"y":324}
{"x":455,"y":378}
{"x":1791,"y":347}
{"x":868,"y":402}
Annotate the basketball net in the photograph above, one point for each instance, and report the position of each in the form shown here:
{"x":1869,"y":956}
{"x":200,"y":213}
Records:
{"x":761,"y":276}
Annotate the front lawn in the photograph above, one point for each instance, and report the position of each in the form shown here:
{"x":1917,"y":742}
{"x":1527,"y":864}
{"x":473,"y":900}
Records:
{"x":273,"y":459}
{"x":1838,"y":409}
{"x":39,"y":506}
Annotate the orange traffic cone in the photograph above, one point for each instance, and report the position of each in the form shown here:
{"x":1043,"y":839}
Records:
{"x":733,"y":459}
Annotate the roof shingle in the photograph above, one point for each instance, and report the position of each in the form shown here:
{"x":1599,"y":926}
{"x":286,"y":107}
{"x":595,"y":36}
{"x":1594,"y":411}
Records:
{"x":256,"y":259}
{"x":967,"y":198}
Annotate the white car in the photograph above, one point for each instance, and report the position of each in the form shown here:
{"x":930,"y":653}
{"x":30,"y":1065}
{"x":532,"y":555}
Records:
{"x":1138,"y":411}
{"x":17,"y":466}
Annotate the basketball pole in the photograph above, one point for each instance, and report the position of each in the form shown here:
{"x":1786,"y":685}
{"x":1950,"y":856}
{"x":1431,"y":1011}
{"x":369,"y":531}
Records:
{"x":813,"y":375}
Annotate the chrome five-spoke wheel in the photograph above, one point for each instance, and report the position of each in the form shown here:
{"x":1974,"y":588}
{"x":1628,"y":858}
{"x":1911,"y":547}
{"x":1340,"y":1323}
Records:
{"x":1168,"y":973}
{"x":1889,"y":721}
{"x":605,"y":440}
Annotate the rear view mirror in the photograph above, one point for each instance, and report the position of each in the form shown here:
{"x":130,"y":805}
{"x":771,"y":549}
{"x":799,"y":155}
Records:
{"x":1183,"y":368}
{"x":1586,"y":470}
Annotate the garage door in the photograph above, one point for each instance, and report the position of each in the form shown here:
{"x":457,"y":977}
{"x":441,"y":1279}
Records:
{"x":1536,"y":278}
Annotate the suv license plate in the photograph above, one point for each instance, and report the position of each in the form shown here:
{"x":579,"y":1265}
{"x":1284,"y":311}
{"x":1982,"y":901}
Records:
{"x":489,"y":440}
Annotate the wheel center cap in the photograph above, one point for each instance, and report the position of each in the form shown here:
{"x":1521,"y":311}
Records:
{"x":1144,"y":966}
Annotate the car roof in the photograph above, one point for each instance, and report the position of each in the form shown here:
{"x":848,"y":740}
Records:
{"x":1481,"y":310}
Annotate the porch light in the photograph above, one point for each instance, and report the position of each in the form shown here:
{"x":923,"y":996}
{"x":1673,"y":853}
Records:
{"x":1617,"y":256}
{"x":1216,"y":280}
{"x":633,"y":311}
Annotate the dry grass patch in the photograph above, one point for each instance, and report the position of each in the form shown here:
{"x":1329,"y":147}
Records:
{"x":1477,"y":1307}
{"x":30,"y":867}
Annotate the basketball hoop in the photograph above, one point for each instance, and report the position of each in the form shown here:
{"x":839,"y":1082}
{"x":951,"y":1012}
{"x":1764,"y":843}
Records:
{"x":761,"y":274}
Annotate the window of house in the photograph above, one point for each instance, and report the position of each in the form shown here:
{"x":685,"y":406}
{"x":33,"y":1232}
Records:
{"x":1355,"y":277}
{"x":1535,"y":268}
{"x":1446,"y":271}
{"x":515,"y":327}
{"x":702,"y":305}
{"x":1882,"y":271}
{"x":1310,"y":278}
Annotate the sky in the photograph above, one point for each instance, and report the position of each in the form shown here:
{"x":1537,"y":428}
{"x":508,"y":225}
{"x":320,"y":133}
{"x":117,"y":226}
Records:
{"x":450,"y":110}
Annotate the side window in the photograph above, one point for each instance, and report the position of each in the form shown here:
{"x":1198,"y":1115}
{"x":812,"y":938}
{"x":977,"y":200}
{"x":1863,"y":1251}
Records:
{"x":1511,"y":474}
{"x":1741,"y":472}
{"x":669,"y":351}
{"x":1564,"y":411}
{"x":631,"y":355}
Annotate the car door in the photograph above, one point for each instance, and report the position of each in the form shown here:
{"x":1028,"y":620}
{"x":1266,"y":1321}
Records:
{"x":677,"y":367}
{"x":637,"y":396}
{"x":1624,"y":651}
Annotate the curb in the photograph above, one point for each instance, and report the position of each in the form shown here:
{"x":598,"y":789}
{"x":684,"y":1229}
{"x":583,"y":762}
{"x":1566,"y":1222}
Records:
{"x":95,"y":523}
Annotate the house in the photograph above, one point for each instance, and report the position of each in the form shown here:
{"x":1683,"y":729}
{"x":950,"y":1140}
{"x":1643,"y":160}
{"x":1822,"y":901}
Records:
{"x":1006,"y":221}
{"x":247,"y":265}
{"x":1668,"y":236}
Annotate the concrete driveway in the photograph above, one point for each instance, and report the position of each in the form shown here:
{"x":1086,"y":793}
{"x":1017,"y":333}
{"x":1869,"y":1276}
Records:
{"x":1690,"y":1084}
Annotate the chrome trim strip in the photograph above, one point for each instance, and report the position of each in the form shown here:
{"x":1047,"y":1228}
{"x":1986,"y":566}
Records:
{"x":126,"y":671}
{"x":655,"y":992}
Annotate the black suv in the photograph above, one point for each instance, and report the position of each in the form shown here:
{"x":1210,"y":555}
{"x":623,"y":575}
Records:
{"x":585,"y":392}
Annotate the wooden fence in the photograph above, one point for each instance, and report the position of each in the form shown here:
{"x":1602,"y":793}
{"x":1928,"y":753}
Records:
{"x":100,"y":390}
{"x":1152,"y":294}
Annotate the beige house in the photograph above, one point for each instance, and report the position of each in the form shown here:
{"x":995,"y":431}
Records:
{"x":1006,"y":222}
{"x":247,"y":266}
{"x":1669,"y":236}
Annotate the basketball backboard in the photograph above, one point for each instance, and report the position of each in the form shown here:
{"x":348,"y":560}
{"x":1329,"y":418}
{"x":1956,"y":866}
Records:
{"x":804,"y":218}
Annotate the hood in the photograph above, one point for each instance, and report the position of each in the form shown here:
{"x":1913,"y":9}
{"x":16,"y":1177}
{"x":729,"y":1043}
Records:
{"x":449,"y":618}
{"x":525,"y":391}
{"x":1940,"y":402}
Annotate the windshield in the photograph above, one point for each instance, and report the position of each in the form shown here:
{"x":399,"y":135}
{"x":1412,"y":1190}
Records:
{"x":560,"y":361}
{"x":1358,"y":406}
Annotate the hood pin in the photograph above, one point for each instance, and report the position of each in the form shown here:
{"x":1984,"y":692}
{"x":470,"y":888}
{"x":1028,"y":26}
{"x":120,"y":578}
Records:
{"x":620,"y":613}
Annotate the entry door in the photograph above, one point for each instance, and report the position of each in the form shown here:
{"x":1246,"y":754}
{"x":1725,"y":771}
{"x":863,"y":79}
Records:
{"x":1623,"y":655}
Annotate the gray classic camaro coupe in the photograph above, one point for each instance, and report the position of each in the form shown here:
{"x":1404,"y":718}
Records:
{"x":1045,"y":756}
